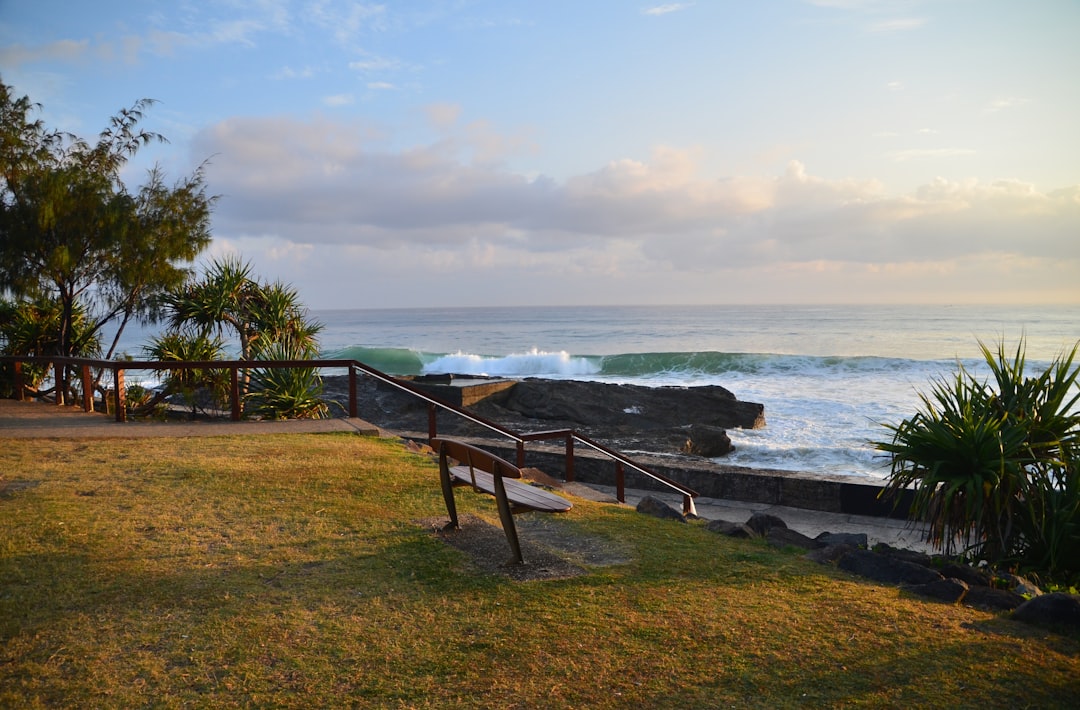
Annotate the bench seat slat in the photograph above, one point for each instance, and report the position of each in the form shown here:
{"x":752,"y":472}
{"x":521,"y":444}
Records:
{"x":518,"y":493}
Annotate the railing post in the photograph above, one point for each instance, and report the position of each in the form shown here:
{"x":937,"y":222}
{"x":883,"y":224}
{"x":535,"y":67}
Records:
{"x":234,"y":392}
{"x":352,"y":391}
{"x":87,"y":389}
{"x":688,"y":505}
{"x":620,"y":482}
{"x":520,"y":454}
{"x":20,"y":384}
{"x":58,"y":384}
{"x":569,"y":458}
{"x":121,"y":396}
{"x":432,"y":425}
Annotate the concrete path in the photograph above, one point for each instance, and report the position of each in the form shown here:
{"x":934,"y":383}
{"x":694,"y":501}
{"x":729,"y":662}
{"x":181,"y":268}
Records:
{"x":36,"y":420}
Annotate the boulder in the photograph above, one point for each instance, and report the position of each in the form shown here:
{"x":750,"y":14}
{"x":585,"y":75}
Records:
{"x":886,"y":568}
{"x":829,"y":554}
{"x":651,"y":505}
{"x":707,"y":441}
{"x":761,"y":523}
{"x":853,"y":539}
{"x":786,"y":537}
{"x":1053,"y":610}
{"x":992,"y":599}
{"x":972,"y":575}
{"x":723,"y":527}
{"x":949,"y":590}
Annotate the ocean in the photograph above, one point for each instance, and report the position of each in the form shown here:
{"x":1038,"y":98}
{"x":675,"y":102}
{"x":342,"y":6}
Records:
{"x":830,"y":377}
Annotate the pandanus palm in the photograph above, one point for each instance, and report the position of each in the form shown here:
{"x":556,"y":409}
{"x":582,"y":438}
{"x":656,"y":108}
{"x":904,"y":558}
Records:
{"x":994,"y":463}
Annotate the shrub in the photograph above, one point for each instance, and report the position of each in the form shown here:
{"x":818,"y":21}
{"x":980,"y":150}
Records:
{"x":994,"y":463}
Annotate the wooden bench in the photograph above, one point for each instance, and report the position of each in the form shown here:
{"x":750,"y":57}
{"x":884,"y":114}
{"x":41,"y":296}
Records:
{"x":462,"y":464}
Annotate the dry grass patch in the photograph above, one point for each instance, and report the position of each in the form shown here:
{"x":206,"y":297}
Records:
{"x":291,"y":571}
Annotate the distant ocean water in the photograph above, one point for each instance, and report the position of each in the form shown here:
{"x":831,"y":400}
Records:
{"x":829,"y":376}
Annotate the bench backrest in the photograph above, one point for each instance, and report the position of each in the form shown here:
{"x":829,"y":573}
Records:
{"x":471,"y":456}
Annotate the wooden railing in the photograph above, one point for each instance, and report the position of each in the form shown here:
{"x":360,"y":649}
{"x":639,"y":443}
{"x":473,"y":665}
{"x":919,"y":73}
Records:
{"x":85,"y":367}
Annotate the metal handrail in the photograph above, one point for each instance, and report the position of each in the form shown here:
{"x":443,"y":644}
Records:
{"x":434,"y":404}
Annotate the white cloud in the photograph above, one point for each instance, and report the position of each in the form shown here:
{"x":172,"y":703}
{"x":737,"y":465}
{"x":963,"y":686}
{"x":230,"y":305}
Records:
{"x":64,"y":50}
{"x":900,"y":24}
{"x":666,"y":9}
{"x":335,"y":187}
{"x":1005,"y":103}
{"x":339,"y":100}
{"x":901,"y":156}
{"x":380,"y":86}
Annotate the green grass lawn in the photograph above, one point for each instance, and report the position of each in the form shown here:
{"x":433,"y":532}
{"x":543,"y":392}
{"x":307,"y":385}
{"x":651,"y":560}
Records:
{"x":292,"y":571}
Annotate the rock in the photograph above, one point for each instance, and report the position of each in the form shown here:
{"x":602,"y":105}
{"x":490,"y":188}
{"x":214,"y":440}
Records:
{"x":948,"y":590}
{"x":886,"y":569}
{"x":993,"y":599}
{"x":761,"y":523}
{"x":971,"y":575}
{"x":1053,"y":610}
{"x":650,"y":505}
{"x":829,"y":554}
{"x":853,"y":539}
{"x":589,"y":403}
{"x":786,"y":537}
{"x":708,"y":441}
{"x":723,"y":527}
{"x":897,"y":553}
{"x":1017,"y":585}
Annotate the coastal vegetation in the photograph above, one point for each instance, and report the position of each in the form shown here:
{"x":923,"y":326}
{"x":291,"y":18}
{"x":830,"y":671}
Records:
{"x":299,"y":571}
{"x":79,"y":249}
{"x":995,"y":464}
{"x":268,"y":322}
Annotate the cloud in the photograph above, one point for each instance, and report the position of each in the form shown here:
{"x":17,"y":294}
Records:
{"x":337,"y":186}
{"x":339,"y":100}
{"x":64,"y":50}
{"x":666,"y":9}
{"x":901,"y":156}
{"x":1004,"y":104}
{"x":899,"y":24}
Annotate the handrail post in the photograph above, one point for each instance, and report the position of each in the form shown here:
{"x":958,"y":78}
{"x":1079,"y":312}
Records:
{"x":521,"y":453}
{"x":620,"y":482}
{"x":234,"y":392}
{"x":87,"y":389}
{"x":19,"y":382}
{"x":432,"y":425}
{"x":58,"y":388}
{"x":688,"y":505}
{"x":121,"y":397}
{"x":352,"y":392}
{"x":570,"y":457}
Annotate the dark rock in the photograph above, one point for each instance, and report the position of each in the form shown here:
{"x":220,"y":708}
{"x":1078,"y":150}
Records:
{"x":601,"y":403}
{"x":898,"y":553}
{"x":708,"y":441}
{"x":1017,"y":584}
{"x":853,"y":539}
{"x":786,"y":537}
{"x":761,"y":523}
{"x":1053,"y":610}
{"x":885,"y":568}
{"x":650,"y":505}
{"x":829,"y":554}
{"x":973,"y":576}
{"x":947,"y":590}
{"x":723,"y":527}
{"x":992,"y":599}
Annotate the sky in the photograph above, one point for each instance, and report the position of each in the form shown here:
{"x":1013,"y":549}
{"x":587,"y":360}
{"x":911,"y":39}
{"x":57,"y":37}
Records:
{"x":475,"y":153}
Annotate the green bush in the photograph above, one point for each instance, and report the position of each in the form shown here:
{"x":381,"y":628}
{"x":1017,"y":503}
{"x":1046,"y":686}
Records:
{"x":994,"y":463}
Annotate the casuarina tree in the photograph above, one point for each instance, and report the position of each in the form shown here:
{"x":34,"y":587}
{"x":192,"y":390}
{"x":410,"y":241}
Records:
{"x":72,"y":232}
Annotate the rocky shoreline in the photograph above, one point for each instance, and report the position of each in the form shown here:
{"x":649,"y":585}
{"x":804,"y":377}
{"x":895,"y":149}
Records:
{"x":663,"y":429}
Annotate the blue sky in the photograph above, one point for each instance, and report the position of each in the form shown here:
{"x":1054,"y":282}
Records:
{"x":461,"y":153}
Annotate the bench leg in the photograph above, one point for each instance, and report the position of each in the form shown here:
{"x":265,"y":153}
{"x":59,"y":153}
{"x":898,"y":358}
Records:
{"x":507,"y":518}
{"x":448,"y":494}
